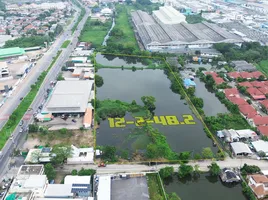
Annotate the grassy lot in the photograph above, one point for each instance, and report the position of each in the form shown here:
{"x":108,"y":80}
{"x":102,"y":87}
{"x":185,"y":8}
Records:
{"x":18,"y":113}
{"x":76,"y":137}
{"x":155,"y":189}
{"x":122,"y":23}
{"x":95,"y":31}
{"x":65,"y":44}
{"x":263,"y":66}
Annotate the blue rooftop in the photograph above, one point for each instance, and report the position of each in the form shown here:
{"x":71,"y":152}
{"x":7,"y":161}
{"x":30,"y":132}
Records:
{"x":188,"y":82}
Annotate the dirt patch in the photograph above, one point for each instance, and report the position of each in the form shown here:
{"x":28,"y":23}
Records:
{"x":60,"y":175}
{"x":76,"y":137}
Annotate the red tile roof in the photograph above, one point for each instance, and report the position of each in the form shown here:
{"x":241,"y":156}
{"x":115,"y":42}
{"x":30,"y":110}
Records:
{"x":231,"y":92}
{"x":263,"y":130}
{"x":256,"y":94}
{"x":264,"y":89}
{"x":213,"y":74}
{"x":246,"y":75}
{"x":245,"y":84}
{"x":234,"y":74}
{"x":265,"y":83}
{"x":257,"y":84}
{"x":237,"y":100}
{"x":248,"y":111}
{"x":218,"y":80}
{"x":265,"y":103}
{"x":260,"y":120}
{"x":257,"y":74}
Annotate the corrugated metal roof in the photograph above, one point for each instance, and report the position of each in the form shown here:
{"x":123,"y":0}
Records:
{"x":11,"y":51}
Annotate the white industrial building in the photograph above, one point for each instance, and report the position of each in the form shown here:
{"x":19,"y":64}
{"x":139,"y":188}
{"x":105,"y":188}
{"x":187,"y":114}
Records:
{"x":104,"y":188}
{"x":240,"y":149}
{"x":157,"y":36}
{"x":69,"y":97}
{"x":81,"y":156}
{"x":168,"y":15}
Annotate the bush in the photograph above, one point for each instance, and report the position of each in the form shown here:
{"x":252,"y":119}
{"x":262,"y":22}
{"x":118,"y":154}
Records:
{"x":250,"y":169}
{"x":74,"y":172}
{"x":166,"y":172}
{"x":86,"y":172}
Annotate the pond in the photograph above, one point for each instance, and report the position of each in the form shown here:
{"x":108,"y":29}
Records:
{"x":212,"y":105}
{"x":126,"y":85}
{"x":115,"y":61}
{"x":204,"y":188}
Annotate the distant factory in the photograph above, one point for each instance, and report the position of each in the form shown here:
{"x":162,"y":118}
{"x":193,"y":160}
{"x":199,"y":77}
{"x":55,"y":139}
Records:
{"x":167,"y":29}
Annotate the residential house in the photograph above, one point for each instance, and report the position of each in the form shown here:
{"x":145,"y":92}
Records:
{"x":256,"y":94}
{"x":247,"y":111}
{"x":237,"y":100}
{"x":81,"y":156}
{"x":263,"y":130}
{"x":231,"y":92}
{"x":245,"y":84}
{"x":234,"y":75}
{"x":264,"y":90}
{"x":257,"y":84}
{"x":260,"y":145}
{"x":259,"y":121}
{"x":257,"y":74}
{"x":240,"y":149}
{"x":2,"y":31}
{"x":246,"y":75}
{"x":259,"y":185}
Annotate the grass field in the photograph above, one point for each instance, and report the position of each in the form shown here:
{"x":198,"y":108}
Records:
{"x":65,"y":44}
{"x":263,"y":66}
{"x":19,"y":112}
{"x":155,"y":189}
{"x":95,"y":32}
{"x":122,"y":23}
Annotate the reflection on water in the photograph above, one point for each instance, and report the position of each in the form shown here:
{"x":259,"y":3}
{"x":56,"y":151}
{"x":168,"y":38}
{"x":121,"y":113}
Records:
{"x":204,"y":187}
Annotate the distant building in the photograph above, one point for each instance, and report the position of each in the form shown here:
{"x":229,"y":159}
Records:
{"x":189,"y":83}
{"x":242,"y":65}
{"x":168,"y":15}
{"x":11,"y":52}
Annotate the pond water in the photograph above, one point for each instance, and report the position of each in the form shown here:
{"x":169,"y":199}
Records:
{"x":126,"y":85}
{"x":115,"y":61}
{"x":212,"y":105}
{"x":204,"y":188}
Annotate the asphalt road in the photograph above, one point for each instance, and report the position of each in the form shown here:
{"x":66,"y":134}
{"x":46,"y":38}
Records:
{"x":42,"y":64}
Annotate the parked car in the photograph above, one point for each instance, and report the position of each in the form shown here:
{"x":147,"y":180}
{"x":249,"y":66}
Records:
{"x":102,"y":165}
{"x":21,"y":122}
{"x":73,"y":120}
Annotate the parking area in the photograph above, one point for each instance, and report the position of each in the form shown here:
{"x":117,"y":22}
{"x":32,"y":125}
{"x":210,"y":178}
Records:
{"x":71,"y":123}
{"x":131,"y":189}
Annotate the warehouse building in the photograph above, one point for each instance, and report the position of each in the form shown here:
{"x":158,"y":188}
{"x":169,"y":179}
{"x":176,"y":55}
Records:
{"x":168,"y":15}
{"x":69,"y":97}
{"x":157,"y":36}
{"x":11,"y":52}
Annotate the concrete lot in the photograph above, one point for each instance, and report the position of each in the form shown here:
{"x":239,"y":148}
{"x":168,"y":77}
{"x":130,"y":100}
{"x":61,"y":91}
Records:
{"x":58,"y":123}
{"x":130,"y":189}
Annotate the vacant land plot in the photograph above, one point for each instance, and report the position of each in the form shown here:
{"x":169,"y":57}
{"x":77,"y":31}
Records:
{"x":155,"y":189}
{"x":122,"y":22}
{"x":94,"y":31}
{"x":77,"y":138}
{"x":263,"y":66}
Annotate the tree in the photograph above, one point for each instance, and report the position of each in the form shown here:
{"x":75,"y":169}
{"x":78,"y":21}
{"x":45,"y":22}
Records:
{"x":98,"y":80}
{"x":207,"y":153}
{"x":109,"y":153}
{"x":214,"y":169}
{"x":60,"y":154}
{"x":197,"y":156}
{"x":184,"y":156}
{"x":60,"y":77}
{"x":261,"y":153}
{"x":198,"y":102}
{"x":166,"y":172}
{"x":86,"y":172}
{"x":173,"y":196}
{"x":249,"y":101}
{"x":149,"y":102}
{"x":74,"y":172}
{"x":185,"y":170}
{"x":210,"y":82}
{"x":261,"y":78}
{"x":50,"y":171}
{"x":197,"y":170}
{"x":250,"y":169}
{"x":33,"y":128}
{"x":191,"y":91}
{"x":7,"y":31}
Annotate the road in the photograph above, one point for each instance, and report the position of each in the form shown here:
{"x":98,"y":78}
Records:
{"x":42,"y":64}
{"x":132,"y":168}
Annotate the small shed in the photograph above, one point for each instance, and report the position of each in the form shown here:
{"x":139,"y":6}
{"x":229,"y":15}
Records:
{"x":240,"y":149}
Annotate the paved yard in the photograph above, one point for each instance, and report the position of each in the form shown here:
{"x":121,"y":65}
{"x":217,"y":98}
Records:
{"x":130,"y":189}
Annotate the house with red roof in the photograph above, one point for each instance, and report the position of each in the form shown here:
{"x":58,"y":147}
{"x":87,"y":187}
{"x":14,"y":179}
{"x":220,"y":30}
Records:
{"x":234,"y":75}
{"x":264,"y":90}
{"x":263,"y":130}
{"x":245,"y":84}
{"x":246,"y":75}
{"x":237,"y":100}
{"x":231,"y":92}
{"x":264,"y":105}
{"x":213,"y":74}
{"x":257,"y":74}
{"x":259,"y":185}
{"x":247,"y":111}
{"x":2,"y":32}
{"x":218,"y":80}
{"x":256,"y":94}
{"x":259,"y":121}
{"x":257,"y":84}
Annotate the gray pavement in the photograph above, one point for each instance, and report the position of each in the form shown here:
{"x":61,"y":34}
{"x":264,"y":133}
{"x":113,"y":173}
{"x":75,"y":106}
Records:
{"x":44,"y":63}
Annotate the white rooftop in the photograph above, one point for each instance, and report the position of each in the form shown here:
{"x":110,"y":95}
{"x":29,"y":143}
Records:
{"x":69,"y":97}
{"x":104,"y":188}
{"x":169,"y":15}
{"x":77,"y":179}
{"x":240,"y":147}
{"x":58,"y":190}
{"x":260,"y":145}
{"x":35,"y":181}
